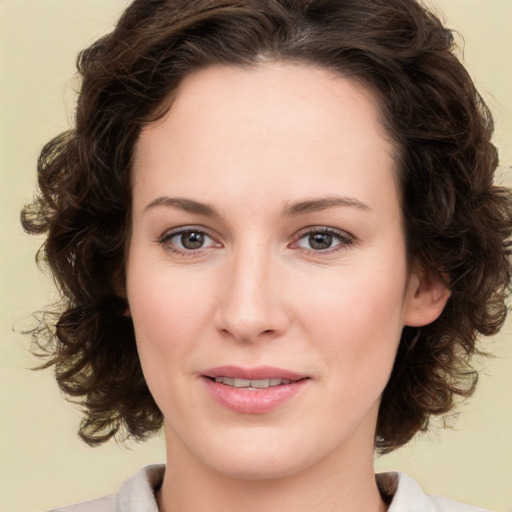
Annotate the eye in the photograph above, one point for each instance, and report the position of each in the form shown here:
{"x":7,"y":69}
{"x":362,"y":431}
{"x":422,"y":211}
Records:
{"x":323,"y":239}
{"x":318,"y":241}
{"x":188,"y":240}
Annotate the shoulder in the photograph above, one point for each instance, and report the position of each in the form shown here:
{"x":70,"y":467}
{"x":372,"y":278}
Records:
{"x":406,"y":495}
{"x":137,"y":494}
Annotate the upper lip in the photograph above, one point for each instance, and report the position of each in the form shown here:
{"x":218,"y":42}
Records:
{"x":256,"y":373}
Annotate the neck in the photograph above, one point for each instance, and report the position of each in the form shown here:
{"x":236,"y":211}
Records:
{"x":333,"y":484}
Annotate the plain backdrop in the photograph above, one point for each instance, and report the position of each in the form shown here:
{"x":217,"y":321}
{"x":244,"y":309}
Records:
{"x":43,"y":464}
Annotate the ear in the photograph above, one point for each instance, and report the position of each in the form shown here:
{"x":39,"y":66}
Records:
{"x":426,"y":297}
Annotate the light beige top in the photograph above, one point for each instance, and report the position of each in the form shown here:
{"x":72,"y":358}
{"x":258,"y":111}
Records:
{"x":137,"y":494}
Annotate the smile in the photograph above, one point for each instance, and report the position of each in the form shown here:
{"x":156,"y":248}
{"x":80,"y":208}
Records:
{"x":253,"y":390}
{"x":251,"y":384}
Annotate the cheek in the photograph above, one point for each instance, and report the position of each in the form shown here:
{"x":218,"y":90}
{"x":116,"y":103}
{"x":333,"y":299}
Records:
{"x":166,"y":313}
{"x":160,"y":296}
{"x":351,"y":298}
{"x":357,"y":317}
{"x":166,"y":317}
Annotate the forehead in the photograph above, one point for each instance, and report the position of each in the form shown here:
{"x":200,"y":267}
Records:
{"x":276,"y":90}
{"x":275,"y":124}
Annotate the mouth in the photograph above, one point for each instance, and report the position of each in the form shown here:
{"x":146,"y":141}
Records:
{"x":253,"y":390}
{"x":252,"y":384}
{"x":261,"y":377}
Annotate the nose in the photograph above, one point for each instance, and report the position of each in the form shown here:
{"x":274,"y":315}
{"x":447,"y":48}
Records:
{"x":251,"y":304}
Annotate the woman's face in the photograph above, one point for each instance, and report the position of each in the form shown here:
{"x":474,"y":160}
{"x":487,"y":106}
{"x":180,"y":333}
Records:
{"x":267,"y":275}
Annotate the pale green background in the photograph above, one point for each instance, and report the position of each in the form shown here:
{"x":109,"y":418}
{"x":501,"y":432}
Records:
{"x":42,"y":462}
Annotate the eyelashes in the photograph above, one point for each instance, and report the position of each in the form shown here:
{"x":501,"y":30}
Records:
{"x":194,"y":241}
{"x":322,"y":240}
{"x":188,"y":241}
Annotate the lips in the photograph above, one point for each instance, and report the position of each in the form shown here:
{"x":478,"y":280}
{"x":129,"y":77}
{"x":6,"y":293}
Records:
{"x":258,"y":373}
{"x":253,"y":384}
{"x":253,"y":390}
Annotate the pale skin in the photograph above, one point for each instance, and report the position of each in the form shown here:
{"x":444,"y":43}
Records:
{"x":267,"y":231}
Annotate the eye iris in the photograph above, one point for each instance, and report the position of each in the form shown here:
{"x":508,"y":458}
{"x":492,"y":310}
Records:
{"x":192,"y":240}
{"x":320,"y":240}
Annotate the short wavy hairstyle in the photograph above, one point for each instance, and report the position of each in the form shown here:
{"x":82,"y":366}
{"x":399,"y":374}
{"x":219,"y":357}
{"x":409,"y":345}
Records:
{"x":457,"y":222}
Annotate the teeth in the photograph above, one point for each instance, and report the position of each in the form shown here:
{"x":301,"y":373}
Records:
{"x":264,"y":383}
{"x":242,"y":383}
{"x":246,"y":383}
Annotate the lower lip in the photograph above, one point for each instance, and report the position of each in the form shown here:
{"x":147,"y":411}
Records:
{"x":253,"y":401}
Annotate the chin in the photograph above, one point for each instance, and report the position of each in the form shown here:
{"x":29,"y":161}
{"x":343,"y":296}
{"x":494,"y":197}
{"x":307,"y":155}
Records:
{"x":260,"y":466}
{"x":262,"y":457}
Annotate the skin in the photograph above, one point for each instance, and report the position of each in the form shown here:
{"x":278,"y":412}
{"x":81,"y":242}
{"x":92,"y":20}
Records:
{"x":271,"y":150}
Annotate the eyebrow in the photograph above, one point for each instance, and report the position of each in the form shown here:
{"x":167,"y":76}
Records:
{"x":322,"y":203}
{"x":289,"y":209}
{"x":186,"y":205}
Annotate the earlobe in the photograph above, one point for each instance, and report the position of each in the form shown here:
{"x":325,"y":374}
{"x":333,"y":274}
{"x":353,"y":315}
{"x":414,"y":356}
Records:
{"x":426,"y":298}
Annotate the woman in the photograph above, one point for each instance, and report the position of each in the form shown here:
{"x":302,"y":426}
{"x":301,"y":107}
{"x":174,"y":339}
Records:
{"x":272,"y":228}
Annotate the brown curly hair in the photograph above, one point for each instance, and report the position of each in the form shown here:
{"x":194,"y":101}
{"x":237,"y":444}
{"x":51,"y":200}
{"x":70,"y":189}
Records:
{"x":458,"y":224}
